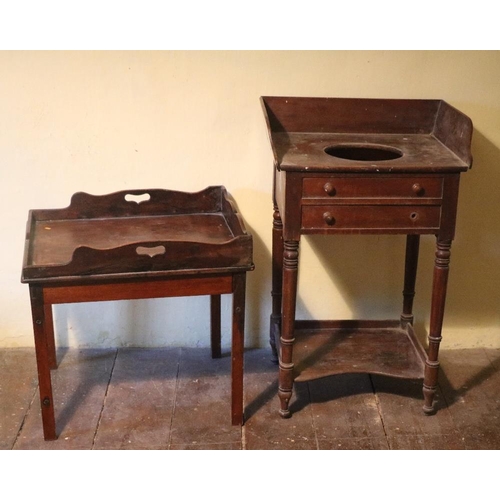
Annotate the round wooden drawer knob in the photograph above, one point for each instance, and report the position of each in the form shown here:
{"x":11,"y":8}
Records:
{"x":329,"y":189}
{"x":418,"y":189}
{"x":329,"y":218}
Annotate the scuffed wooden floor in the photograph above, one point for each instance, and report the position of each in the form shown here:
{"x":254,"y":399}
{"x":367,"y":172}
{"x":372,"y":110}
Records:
{"x":178,"y":398}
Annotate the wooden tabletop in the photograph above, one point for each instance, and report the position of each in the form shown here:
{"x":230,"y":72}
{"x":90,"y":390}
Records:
{"x":54,"y":241}
{"x":426,"y":135}
{"x":412,"y":152}
{"x":109,"y":236}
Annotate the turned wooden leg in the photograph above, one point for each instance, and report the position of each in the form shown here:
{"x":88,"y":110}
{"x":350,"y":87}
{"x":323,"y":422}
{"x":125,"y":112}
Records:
{"x":49,"y":332}
{"x":215,"y":336}
{"x":411,"y":263}
{"x":440,"y":281}
{"x":237,"y":348}
{"x":277,"y":281}
{"x":290,"y":272}
{"x":43,"y":360}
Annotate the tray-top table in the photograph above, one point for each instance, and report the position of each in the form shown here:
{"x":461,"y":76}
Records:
{"x":134,"y":245}
{"x":362,"y":166}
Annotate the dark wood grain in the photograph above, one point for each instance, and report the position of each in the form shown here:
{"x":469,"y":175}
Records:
{"x":347,"y":115}
{"x":351,"y":347}
{"x":411,"y":263}
{"x":362,"y":166}
{"x":137,"y":289}
{"x":413,"y":187}
{"x":277,"y":280}
{"x":137,"y":244}
{"x":297,"y":151}
{"x":430,"y":134}
{"x":454,"y":129}
{"x":43,"y":361}
{"x":137,"y":202}
{"x":215,"y":325}
{"x":372,"y":219}
{"x":131,"y":237}
{"x":237,"y":348}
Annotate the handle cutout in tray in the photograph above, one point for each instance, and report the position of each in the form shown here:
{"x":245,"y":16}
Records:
{"x":137,"y":198}
{"x":151,"y":251}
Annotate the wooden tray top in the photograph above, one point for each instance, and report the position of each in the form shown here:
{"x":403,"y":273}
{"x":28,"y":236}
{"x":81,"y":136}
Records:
{"x":138,"y":231}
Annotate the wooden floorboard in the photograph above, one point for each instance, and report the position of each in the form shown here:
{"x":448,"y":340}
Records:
{"x":405,"y":424}
{"x":202,"y":413}
{"x":179,"y":398}
{"x":264,"y":429}
{"x":139,"y":404}
{"x":79,"y":385}
{"x":471,"y":385}
{"x":18,"y":389}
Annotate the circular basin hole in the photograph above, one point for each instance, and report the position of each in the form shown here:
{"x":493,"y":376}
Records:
{"x":362,"y":152}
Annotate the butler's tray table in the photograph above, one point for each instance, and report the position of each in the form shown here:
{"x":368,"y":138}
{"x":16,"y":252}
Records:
{"x":362,"y":166}
{"x":135,"y":245}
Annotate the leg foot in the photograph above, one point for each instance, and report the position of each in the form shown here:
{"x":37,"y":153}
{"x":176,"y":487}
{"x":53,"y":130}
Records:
{"x":284,"y":396}
{"x":429,"y":393}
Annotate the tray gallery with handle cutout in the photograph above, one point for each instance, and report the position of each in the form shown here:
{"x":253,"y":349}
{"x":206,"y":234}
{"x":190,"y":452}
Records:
{"x":138,"y":231}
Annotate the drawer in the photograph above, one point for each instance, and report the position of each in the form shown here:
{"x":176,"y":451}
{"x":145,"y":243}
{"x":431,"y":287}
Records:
{"x":370,"y":217}
{"x":373,"y":187}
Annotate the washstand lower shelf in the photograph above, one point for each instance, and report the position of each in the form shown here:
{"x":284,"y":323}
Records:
{"x":324,"y":348}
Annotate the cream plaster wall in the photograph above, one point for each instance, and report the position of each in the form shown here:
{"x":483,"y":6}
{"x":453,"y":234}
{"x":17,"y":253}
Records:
{"x":106,"y":121}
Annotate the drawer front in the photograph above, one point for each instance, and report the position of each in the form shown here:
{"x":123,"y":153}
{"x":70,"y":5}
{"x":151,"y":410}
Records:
{"x":373,"y":187}
{"x":371,"y":218}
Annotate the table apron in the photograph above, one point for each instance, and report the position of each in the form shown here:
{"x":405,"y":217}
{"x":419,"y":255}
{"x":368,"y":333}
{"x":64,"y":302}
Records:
{"x":146,"y":289}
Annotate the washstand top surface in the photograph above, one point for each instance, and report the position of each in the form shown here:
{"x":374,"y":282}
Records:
{"x":331,"y":134}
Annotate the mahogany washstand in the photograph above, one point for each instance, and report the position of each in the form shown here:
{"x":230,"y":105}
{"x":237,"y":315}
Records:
{"x":362,"y":166}
{"x":137,"y":244}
